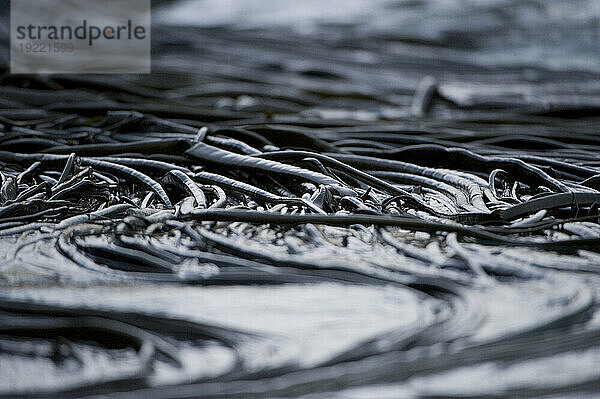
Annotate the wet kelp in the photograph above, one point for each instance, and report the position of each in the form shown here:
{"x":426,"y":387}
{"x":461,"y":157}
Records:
{"x":299,"y":222}
{"x":212,"y":206}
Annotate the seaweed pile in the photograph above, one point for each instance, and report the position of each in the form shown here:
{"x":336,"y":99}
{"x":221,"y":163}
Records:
{"x":259,"y":219}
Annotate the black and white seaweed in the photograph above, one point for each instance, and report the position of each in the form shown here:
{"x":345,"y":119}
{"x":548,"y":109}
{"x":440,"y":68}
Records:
{"x":333,"y":213}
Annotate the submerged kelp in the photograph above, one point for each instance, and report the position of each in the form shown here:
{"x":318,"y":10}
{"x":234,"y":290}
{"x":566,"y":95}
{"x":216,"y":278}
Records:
{"x":323,"y":213}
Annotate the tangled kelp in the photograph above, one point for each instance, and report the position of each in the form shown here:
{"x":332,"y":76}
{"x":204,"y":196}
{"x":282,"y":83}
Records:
{"x":286,"y":222}
{"x":230,"y":206}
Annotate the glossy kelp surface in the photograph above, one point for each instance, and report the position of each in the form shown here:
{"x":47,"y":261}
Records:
{"x":351,"y":205}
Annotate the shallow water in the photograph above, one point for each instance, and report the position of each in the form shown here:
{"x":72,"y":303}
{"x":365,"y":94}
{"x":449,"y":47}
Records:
{"x":274,"y":299}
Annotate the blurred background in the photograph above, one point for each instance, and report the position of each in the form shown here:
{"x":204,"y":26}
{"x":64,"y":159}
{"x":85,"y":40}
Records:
{"x":551,"y":34}
{"x":363,"y":59}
